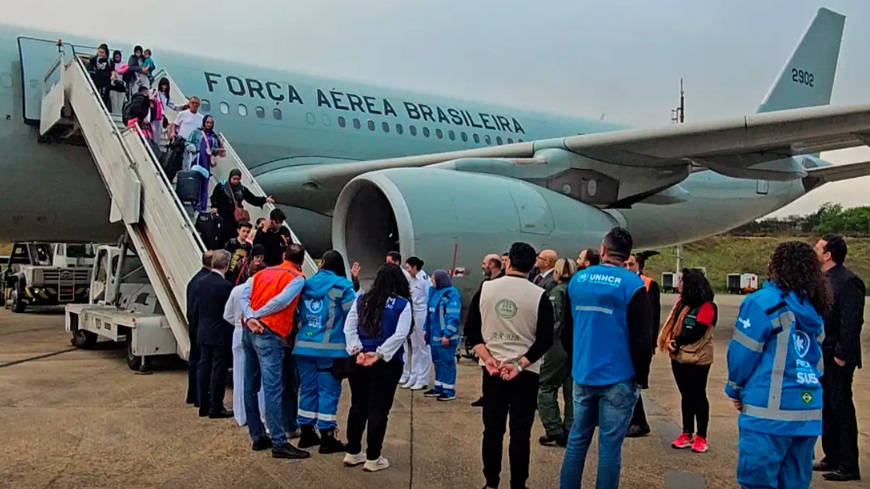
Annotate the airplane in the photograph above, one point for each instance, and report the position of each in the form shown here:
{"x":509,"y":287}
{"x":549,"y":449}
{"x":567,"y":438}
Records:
{"x":368,"y":169}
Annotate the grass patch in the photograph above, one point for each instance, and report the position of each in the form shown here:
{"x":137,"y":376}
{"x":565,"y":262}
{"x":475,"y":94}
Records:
{"x":732,"y":254}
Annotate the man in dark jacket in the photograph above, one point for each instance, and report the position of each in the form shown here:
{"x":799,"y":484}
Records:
{"x":214,"y":337}
{"x":226,"y":196}
{"x":192,"y":327}
{"x":842,"y":355}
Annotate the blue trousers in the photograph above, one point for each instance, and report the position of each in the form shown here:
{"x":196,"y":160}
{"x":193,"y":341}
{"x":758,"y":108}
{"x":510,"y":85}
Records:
{"x":444,"y":358}
{"x":774,"y":462}
{"x":319,"y":392}
{"x":610,"y":408}
{"x":264,"y":358}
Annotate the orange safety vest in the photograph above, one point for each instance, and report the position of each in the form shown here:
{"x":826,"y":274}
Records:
{"x":647,"y":281}
{"x":269,"y":283}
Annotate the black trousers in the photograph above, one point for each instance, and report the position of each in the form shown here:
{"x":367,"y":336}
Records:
{"x":839,"y":423}
{"x":638,"y":418}
{"x":214,"y":363}
{"x":192,"y":369}
{"x":371,"y":397}
{"x":512,"y":402}
{"x":692,"y":383}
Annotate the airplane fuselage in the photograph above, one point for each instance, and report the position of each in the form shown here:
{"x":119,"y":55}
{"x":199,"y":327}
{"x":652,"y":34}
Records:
{"x":281,"y":122}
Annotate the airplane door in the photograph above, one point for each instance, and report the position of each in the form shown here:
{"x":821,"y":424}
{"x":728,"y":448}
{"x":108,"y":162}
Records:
{"x":762,"y":186}
{"x":38,"y":56}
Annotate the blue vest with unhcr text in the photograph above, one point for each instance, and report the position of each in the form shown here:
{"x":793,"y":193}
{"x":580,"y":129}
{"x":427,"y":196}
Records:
{"x":599,"y":298}
{"x":389,"y":322}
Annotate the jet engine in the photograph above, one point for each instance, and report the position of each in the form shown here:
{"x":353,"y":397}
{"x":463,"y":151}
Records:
{"x":451,"y":219}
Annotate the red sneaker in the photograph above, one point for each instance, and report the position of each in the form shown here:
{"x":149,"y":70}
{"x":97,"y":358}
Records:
{"x":700,"y":444}
{"x":685,"y":440}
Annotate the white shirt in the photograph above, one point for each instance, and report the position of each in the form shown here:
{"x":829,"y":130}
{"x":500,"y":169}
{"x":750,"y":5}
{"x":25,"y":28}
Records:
{"x":393,"y":343}
{"x":419,"y":292}
{"x":233,"y":309}
{"x":188,"y":122}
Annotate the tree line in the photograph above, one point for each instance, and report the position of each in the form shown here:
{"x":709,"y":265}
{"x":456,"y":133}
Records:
{"x":830,"y":218}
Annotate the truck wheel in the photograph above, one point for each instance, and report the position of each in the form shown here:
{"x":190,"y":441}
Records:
{"x":133,"y":361}
{"x":17,"y":300}
{"x":83,"y":339}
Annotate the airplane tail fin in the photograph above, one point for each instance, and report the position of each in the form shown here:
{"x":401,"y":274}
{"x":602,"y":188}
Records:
{"x":807,"y":79}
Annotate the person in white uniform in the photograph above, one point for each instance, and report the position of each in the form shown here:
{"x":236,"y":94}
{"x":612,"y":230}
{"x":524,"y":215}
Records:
{"x":416,"y":372}
{"x":233,"y":315}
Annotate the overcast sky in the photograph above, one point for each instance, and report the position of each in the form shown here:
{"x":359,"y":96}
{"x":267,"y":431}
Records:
{"x":622,"y":57}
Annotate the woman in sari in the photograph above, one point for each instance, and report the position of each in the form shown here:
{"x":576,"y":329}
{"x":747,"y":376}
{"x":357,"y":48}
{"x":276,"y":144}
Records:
{"x":205,"y":146}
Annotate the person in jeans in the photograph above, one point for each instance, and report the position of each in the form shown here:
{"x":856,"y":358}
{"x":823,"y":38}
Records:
{"x":688,"y":337}
{"x":556,"y":366}
{"x":269,"y":304}
{"x":774,"y":371}
{"x":375,"y":331}
{"x":842,"y":355}
{"x":510,"y":324}
{"x":606,"y":332}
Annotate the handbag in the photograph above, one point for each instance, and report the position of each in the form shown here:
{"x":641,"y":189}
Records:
{"x":239,"y":213}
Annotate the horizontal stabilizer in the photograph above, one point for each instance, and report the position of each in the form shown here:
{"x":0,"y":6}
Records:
{"x":835,"y":173}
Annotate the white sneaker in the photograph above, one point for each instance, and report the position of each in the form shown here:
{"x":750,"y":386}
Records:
{"x":418,"y":387}
{"x":407,"y":385}
{"x":375,"y":465}
{"x":404,"y":380}
{"x":351,"y":460}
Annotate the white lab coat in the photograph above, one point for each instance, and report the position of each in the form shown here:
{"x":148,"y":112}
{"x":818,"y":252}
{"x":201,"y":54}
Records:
{"x":416,"y":372}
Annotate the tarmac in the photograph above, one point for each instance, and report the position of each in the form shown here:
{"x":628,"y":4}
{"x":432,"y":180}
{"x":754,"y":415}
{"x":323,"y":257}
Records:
{"x":81,"y":419}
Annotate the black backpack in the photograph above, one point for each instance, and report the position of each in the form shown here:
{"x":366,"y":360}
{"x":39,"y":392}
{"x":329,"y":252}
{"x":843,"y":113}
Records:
{"x":136,"y":108}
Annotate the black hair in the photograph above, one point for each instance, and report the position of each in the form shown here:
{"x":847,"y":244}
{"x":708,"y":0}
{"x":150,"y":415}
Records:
{"x":104,"y":47}
{"x":696,"y":288}
{"x":618,"y":243}
{"x":415,"y":262}
{"x":592,"y":256}
{"x":277,"y":215}
{"x":522,"y":257}
{"x":143,"y":89}
{"x":389,"y":282}
{"x":395,"y":255}
{"x":333,"y":262}
{"x":836,"y":246}
{"x":161,"y":83}
{"x":259,"y":220}
{"x":295,"y":254}
{"x":255,"y":267}
{"x":794,"y":267}
{"x":137,"y":48}
{"x":244,"y":224}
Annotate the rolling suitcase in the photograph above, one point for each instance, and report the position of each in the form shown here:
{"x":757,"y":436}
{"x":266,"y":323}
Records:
{"x":188,"y":186}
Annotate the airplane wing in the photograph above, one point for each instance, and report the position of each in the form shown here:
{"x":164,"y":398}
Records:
{"x":836,"y":173}
{"x":729,"y":146}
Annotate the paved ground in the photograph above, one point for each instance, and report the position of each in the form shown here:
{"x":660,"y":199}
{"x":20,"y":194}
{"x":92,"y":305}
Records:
{"x":82,"y":419}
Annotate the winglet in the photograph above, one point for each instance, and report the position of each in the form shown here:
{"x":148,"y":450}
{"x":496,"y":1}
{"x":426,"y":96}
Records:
{"x":807,"y":79}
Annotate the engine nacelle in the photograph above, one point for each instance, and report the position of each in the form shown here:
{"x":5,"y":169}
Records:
{"x":452,"y":220}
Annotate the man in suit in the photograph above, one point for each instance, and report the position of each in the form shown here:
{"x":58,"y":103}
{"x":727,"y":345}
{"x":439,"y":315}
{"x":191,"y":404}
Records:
{"x":544,"y":264}
{"x":215,"y":337}
{"x":192,"y":326}
{"x":841,"y":351}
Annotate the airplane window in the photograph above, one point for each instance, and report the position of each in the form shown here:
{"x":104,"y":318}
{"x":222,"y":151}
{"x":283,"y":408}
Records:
{"x":356,"y":123}
{"x":205,"y":105}
{"x":476,"y":138}
{"x":371,"y":125}
{"x":243,"y":110}
{"x":519,"y":140}
{"x":451,"y":135}
{"x":439,"y":134}
{"x":464,"y":137}
{"x":426,"y":132}
{"x":276,"y":113}
{"x":385,"y":126}
{"x":310,"y":118}
{"x":225,"y":108}
{"x":341,"y":121}
{"x":413,"y":130}
{"x":400,"y":129}
{"x":487,"y":139}
{"x":498,"y":140}
{"x":261,"y":112}
{"x":510,"y":140}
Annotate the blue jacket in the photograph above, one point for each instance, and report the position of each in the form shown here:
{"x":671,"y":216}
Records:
{"x":389,"y":324}
{"x":442,"y":318}
{"x":323,"y":306}
{"x":599,"y":297}
{"x":775,"y":363}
